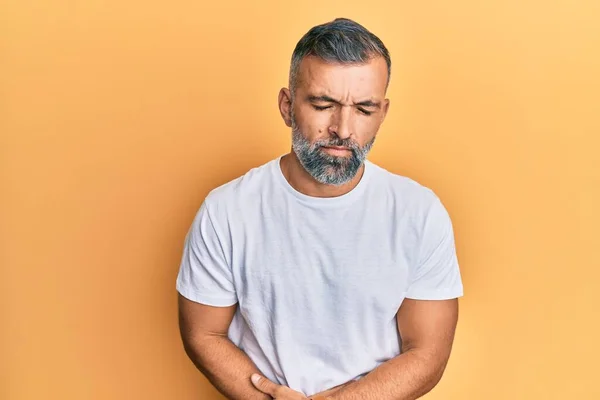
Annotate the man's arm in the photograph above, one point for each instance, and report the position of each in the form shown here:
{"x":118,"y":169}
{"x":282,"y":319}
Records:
{"x":427,"y":331}
{"x":204,"y":333}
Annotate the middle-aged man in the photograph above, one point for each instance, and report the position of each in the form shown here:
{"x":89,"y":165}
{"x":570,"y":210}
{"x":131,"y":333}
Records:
{"x":320,"y":273}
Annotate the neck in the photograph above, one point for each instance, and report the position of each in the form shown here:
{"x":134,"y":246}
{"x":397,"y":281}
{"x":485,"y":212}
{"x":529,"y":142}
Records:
{"x":302,"y":181}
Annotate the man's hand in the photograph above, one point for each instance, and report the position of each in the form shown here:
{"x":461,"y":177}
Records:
{"x":274,"y":390}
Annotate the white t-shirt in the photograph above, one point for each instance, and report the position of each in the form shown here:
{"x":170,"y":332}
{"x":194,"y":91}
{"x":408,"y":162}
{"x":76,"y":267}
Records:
{"x":318,"y":281}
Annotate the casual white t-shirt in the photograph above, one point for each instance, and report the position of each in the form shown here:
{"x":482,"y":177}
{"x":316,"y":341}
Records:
{"x":318,"y":281}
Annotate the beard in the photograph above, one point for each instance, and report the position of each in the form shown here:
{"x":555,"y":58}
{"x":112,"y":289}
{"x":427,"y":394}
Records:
{"x":326,"y":168}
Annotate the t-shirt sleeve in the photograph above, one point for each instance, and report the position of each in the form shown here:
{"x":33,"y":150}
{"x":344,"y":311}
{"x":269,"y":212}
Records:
{"x":204,"y":274}
{"x":436,"y":275}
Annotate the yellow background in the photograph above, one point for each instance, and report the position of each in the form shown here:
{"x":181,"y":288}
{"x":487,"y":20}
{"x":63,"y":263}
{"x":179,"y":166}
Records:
{"x":118,"y":117}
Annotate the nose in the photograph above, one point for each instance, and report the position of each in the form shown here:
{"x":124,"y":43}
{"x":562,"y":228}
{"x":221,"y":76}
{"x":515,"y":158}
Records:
{"x":341,"y":125}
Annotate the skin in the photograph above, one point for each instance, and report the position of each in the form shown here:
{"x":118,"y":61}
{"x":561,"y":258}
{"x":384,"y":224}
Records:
{"x":330,"y":101}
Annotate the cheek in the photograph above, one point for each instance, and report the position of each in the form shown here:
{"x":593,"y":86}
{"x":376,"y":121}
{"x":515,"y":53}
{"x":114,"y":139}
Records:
{"x":366,"y":128}
{"x":312,"y":123}
{"x":370,"y":123}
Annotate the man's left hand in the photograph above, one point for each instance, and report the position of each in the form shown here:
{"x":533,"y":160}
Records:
{"x":274,"y":390}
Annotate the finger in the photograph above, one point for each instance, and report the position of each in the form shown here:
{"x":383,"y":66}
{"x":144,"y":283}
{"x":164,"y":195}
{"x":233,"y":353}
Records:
{"x":264,"y":385}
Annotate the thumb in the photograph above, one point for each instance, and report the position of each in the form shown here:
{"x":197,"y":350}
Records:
{"x":263,"y":384}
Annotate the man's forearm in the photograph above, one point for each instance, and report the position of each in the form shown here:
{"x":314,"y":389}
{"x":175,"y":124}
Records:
{"x":405,"y":377}
{"x":226,"y":366}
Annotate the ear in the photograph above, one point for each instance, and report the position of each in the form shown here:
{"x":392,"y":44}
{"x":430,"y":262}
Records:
{"x":285,"y":106}
{"x":386,"y":106}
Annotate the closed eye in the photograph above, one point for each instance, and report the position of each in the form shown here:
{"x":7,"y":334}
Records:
{"x":362,"y":110}
{"x":321,"y":108}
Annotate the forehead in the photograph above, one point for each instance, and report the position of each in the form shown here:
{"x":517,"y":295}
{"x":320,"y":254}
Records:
{"x":319,"y":77}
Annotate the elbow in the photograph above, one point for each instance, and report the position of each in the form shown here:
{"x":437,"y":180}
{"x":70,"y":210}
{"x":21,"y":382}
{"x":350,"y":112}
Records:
{"x":436,"y":374}
{"x":201,"y":349}
{"x":196,"y":353}
{"x":428,"y":382}
{"x":433,"y":368}
{"x":189,"y":348}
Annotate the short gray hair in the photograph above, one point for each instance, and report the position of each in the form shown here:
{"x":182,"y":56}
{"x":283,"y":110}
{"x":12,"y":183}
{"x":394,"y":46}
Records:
{"x":340,"y":41}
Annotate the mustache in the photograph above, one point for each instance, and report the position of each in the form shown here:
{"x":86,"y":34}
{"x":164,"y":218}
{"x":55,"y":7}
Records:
{"x":348,"y":143}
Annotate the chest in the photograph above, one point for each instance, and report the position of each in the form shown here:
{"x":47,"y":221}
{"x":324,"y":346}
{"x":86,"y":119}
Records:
{"x":344,"y":262}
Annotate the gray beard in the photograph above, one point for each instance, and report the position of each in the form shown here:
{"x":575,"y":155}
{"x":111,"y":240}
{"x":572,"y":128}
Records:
{"x":326,"y":168}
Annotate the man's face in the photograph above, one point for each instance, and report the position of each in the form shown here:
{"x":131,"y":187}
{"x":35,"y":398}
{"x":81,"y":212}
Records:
{"x":341,"y":106}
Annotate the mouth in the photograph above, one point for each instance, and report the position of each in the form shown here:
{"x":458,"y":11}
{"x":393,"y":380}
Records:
{"x":336,"y":150}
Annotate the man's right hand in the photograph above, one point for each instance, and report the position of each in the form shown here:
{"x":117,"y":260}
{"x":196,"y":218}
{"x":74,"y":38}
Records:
{"x":283,"y":392}
{"x":274,"y":390}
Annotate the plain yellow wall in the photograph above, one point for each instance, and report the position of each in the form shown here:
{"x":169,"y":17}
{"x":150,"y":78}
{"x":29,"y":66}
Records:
{"x":118,"y":117}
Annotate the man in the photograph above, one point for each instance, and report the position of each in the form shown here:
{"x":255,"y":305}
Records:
{"x":320,"y":273}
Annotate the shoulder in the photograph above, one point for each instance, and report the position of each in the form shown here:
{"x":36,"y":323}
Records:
{"x":420,"y":205}
{"x":241,"y":189}
{"x":403,"y":189}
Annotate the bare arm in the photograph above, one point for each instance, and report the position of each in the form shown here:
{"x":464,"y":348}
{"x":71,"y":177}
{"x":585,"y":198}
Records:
{"x":204,"y":333}
{"x":427,"y":330}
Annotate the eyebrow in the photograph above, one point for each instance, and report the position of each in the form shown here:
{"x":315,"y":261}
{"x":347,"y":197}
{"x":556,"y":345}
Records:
{"x":366,"y":103}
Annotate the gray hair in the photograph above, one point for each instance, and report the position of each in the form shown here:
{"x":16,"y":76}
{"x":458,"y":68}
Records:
{"x":340,"y":41}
